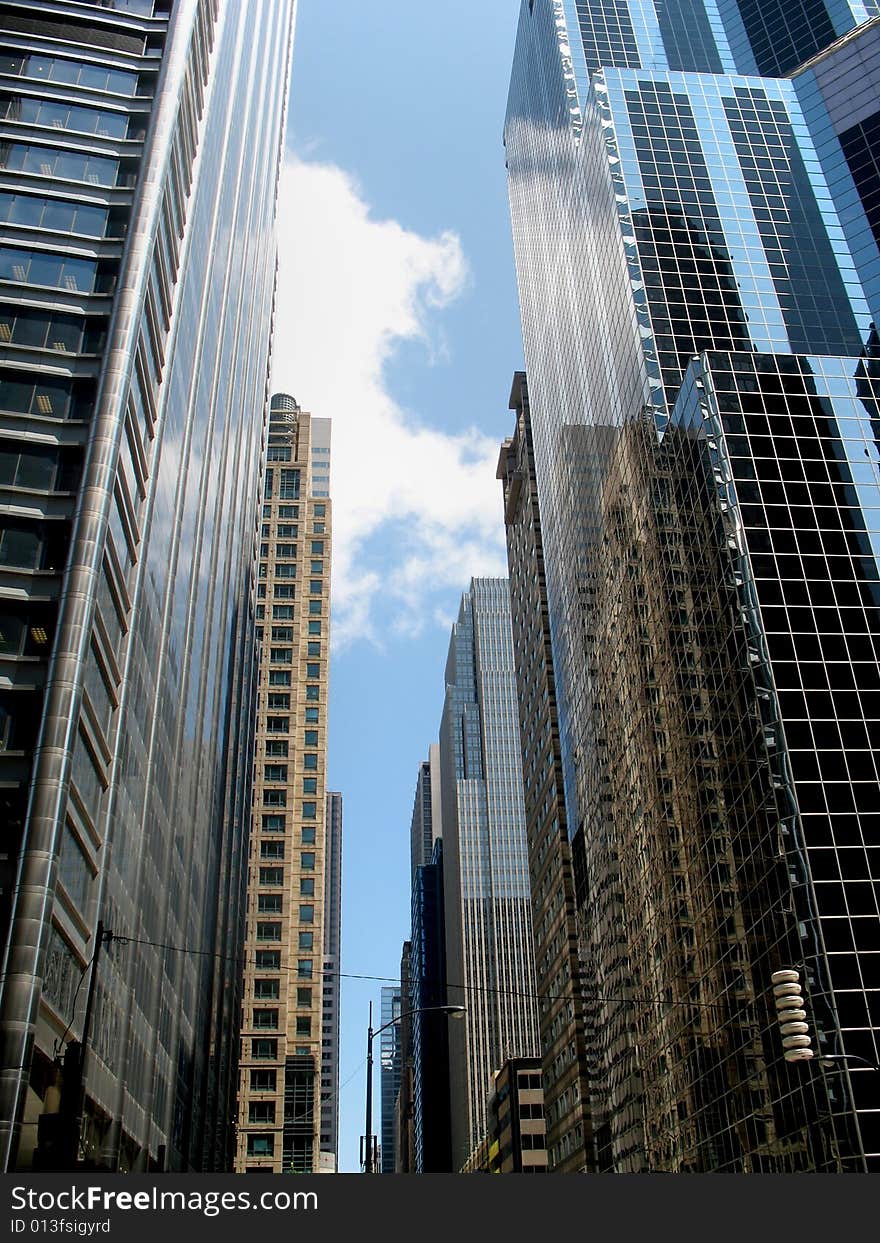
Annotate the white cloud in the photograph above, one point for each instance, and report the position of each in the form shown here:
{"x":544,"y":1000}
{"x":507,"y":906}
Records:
{"x":416,"y":510}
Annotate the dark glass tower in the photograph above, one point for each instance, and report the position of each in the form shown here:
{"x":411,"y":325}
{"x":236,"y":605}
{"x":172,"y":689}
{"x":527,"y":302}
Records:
{"x":663,"y":206}
{"x":139,"y":157}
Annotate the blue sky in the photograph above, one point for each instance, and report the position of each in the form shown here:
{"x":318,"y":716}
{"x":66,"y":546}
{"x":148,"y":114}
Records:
{"x":398,"y":318}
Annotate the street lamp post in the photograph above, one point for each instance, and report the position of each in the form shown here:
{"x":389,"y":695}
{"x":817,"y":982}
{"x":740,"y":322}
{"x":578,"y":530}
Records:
{"x":369,"y":1148}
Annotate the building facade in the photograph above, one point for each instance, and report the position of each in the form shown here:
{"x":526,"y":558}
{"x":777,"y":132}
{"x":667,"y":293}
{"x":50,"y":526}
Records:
{"x":554,"y":918}
{"x":516,"y":1141}
{"x":139,"y":158}
{"x":489,"y":945}
{"x":432,"y":1143}
{"x":279,"y":1108}
{"x":427,"y":817}
{"x":330,"y":984}
{"x":665,"y":204}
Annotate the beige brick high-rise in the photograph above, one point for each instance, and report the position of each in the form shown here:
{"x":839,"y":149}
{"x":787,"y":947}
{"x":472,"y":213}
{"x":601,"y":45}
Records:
{"x":279,"y":1084}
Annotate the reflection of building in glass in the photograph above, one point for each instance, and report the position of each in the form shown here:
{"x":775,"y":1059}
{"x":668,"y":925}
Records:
{"x":391,"y":1068}
{"x":557,"y":968}
{"x":294,"y":873}
{"x":138,"y":165}
{"x":489,"y":945}
{"x":659,"y":213}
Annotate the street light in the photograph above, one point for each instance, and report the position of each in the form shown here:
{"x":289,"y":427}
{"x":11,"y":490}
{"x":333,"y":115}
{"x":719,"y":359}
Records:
{"x":455,"y":1012}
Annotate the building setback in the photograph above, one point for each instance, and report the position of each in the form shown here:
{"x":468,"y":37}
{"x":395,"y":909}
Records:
{"x":279,"y":1112}
{"x":686,"y":236}
{"x":557,"y":967}
{"x":489,"y":946}
{"x":138,"y":170}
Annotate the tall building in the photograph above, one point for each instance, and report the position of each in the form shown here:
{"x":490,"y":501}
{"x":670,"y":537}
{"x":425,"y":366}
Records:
{"x":279,"y":1109}
{"x":667,"y":208}
{"x":331,"y":982}
{"x":489,"y":946}
{"x":139,"y":158}
{"x":427,"y":818}
{"x":403,"y":1111}
{"x":557,"y":967}
{"x":390,"y":1073}
{"x":432,"y":1151}
{"x":515,"y":1142}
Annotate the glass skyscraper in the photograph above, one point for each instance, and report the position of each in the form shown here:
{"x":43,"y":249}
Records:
{"x":139,"y":158}
{"x":390,"y":1072}
{"x":665,"y":204}
{"x":489,"y":944}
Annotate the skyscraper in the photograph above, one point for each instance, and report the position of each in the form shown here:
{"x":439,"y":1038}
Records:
{"x":330,"y":982}
{"x":427,"y":817}
{"x":489,"y":946}
{"x":139,"y":158}
{"x":279,"y":1113}
{"x":664,"y":206}
{"x":432,"y":1152}
{"x":390,"y":1072}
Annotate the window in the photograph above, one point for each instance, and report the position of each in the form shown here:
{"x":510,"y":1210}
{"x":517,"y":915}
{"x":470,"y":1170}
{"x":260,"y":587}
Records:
{"x":307,"y":885}
{"x":274,"y":798}
{"x":273,"y":824}
{"x":309,"y":811}
{"x":313,"y":692}
{"x":308,"y":836}
{"x":284,"y":591}
{"x":266,"y":1019}
{"x":319,"y":528}
{"x":272,"y":876}
{"x":285,"y":550}
{"x":303,"y":1025}
{"x":316,"y":586}
{"x":277,"y":725}
{"x":281,"y":655}
{"x":261,"y":1145}
{"x":267,"y":960}
{"x":277,"y":701}
{"x":269,"y":903}
{"x":264,"y":1049}
{"x":310,"y":785}
{"x":282,"y":612}
{"x":272,"y":850}
{"x":268,"y":932}
{"x":307,"y":914}
{"x":315,"y":606}
{"x":278,"y":453}
{"x":276,"y":746}
{"x":306,"y":940}
{"x":314,"y":627}
{"x":310,"y":760}
{"x":314,"y":649}
{"x":279,"y":677}
{"x":288,"y":511}
{"x":267,"y":990}
{"x":275,"y":772}
{"x":289,"y":489}
{"x":304,"y":968}
{"x":319,"y":511}
{"x":311,"y":739}
{"x":317,"y":548}
{"x":312,"y":716}
{"x":263,"y":1080}
{"x":285,"y":569}
{"x":316,"y":567}
{"x":282,"y":634}
{"x":307,"y":863}
{"x":303,"y":996}
{"x":313,"y":670}
{"x":287,"y":530}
